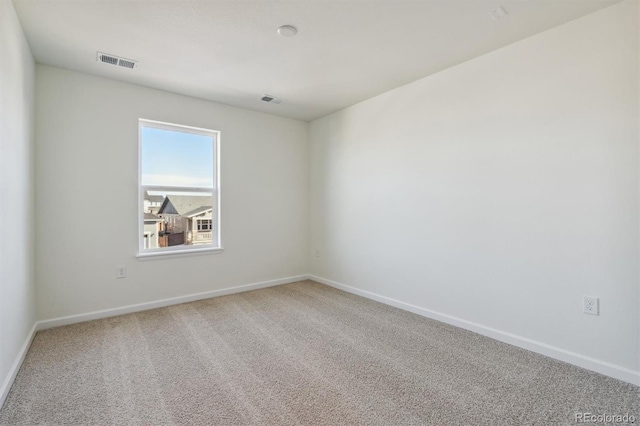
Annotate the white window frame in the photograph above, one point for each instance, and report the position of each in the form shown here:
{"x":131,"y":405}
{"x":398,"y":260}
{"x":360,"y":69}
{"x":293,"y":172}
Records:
{"x":216,"y":240}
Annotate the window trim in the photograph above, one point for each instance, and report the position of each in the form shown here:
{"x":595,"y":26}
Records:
{"x":216,"y":241}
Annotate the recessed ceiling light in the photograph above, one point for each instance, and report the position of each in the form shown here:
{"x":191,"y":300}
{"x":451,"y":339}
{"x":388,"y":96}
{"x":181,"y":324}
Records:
{"x":287,"y":31}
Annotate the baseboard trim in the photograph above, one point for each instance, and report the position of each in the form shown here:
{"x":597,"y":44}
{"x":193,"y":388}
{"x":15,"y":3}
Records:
{"x":106,"y":313}
{"x":602,"y":367}
{"x":579,"y":360}
{"x":13,"y":372}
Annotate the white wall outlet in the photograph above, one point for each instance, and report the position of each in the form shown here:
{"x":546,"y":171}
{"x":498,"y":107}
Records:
{"x":317,"y":252}
{"x":121,"y":272}
{"x":591,"y":305}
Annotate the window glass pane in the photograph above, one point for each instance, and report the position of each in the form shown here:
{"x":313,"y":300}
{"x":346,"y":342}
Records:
{"x":177,"y":218}
{"x":172,"y":158}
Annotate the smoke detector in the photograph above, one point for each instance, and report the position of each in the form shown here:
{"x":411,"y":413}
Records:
{"x":287,"y":31}
{"x":116,"y":60}
{"x":272,"y":99}
{"x":498,"y":13}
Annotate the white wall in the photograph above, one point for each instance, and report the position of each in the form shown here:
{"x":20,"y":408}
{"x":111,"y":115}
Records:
{"x":17,"y":302}
{"x":499,"y":191}
{"x":86,"y":180}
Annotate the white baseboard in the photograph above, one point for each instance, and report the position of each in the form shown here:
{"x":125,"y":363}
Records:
{"x":589,"y":363}
{"x":13,"y":372}
{"x":602,"y":367}
{"x":73,"y":319}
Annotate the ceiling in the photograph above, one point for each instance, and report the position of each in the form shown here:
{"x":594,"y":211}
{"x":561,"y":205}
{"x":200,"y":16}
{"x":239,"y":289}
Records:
{"x":228,"y":51}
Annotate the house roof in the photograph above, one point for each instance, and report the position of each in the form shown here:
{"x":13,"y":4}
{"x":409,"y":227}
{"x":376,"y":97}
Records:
{"x":184,"y":205}
{"x":198,"y":211}
{"x":151,"y":216}
{"x":153,"y":198}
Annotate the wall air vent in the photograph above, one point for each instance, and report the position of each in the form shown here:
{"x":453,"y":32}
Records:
{"x":115,"y":60}
{"x":272,"y":99}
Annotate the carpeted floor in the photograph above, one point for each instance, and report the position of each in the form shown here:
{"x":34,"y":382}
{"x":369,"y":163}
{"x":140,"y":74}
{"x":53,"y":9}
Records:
{"x":302,"y":354}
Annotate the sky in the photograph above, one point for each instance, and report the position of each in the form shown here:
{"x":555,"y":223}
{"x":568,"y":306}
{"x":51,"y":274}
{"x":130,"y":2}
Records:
{"x":176,"y":159}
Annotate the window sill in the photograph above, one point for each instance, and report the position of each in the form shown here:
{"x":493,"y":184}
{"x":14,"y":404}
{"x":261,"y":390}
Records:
{"x":178,"y":253}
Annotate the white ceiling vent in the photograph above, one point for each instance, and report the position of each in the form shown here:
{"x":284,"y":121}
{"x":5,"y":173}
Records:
{"x":272,"y":99}
{"x":115,"y":60}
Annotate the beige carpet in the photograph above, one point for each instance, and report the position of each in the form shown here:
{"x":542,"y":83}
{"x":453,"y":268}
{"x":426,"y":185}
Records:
{"x":302,"y":354}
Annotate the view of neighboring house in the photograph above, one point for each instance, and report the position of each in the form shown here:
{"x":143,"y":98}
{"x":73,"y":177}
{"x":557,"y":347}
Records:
{"x":151,"y":230}
{"x":152,"y":203}
{"x":152,"y":222}
{"x":185,"y":219}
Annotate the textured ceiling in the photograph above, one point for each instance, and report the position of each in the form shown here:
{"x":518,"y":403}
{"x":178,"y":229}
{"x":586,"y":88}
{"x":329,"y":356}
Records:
{"x":228,"y":51}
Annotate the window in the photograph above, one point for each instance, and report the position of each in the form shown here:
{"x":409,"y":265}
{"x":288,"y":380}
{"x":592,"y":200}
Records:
{"x":178,"y":189}
{"x":204,"y":225}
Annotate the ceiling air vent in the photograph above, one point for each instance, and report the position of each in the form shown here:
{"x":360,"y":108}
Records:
{"x":115,"y":60}
{"x":272,"y":99}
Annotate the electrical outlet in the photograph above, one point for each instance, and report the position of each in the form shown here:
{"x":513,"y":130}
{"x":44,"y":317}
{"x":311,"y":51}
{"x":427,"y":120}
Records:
{"x":591,"y":305}
{"x":121,"y":272}
{"x":317,"y":252}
